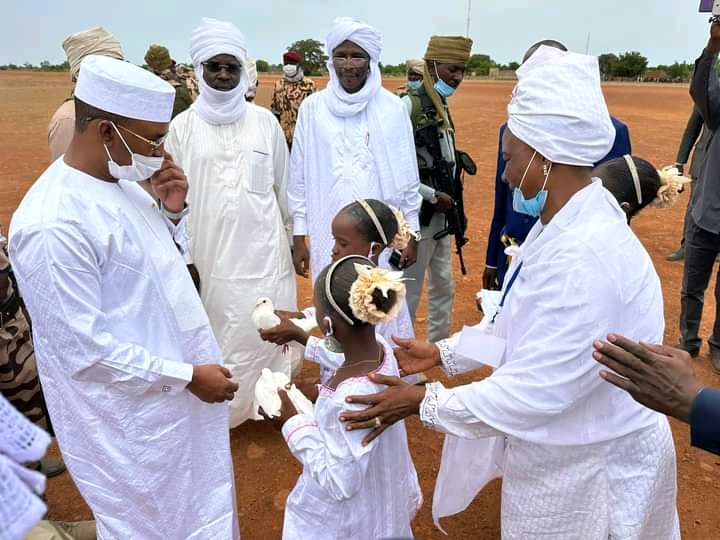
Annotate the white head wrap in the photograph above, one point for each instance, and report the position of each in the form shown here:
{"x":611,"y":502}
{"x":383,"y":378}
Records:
{"x":342,"y":103}
{"x":94,"y":41}
{"x":558,"y":108}
{"x":210,"y":39}
{"x":124,"y":89}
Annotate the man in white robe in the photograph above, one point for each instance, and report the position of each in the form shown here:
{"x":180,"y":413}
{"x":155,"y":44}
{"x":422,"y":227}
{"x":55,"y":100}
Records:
{"x":352,"y":140}
{"x":132,"y":373}
{"x":579,"y":458}
{"x":235,"y":157}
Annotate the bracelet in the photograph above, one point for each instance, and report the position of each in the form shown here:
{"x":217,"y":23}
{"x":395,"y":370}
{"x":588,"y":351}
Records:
{"x":175,"y":216}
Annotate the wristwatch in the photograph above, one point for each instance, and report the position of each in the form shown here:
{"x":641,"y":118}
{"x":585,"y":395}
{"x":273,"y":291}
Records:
{"x":416,"y":235}
{"x":175,"y":216}
{"x":434,"y":199}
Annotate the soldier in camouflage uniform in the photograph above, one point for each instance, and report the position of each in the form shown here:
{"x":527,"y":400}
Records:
{"x":187,"y":76}
{"x":289,"y":93}
{"x":158,"y":60}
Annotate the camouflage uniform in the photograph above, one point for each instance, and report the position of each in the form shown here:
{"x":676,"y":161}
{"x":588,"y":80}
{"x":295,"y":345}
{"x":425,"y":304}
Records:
{"x":19,"y":381}
{"x":286,"y":99}
{"x":187,"y":76}
{"x":182,"y":95}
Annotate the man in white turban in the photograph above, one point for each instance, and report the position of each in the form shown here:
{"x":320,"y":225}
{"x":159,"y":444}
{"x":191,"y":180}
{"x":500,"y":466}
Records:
{"x":352,"y":140}
{"x":579,"y":458}
{"x":132,"y":372}
{"x":235,"y":158}
{"x":77,"y":46}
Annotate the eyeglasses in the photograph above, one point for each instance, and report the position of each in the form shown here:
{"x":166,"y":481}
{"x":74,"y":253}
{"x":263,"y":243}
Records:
{"x":157,"y":143}
{"x":216,"y":67}
{"x":352,"y":61}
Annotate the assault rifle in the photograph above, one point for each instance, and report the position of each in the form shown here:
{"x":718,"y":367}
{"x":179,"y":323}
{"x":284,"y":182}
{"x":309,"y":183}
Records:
{"x":443,"y":179}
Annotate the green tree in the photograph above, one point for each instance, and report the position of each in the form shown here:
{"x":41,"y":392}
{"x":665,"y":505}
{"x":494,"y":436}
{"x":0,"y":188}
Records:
{"x":680,"y":71}
{"x":314,"y":57}
{"x":480,"y":64}
{"x":262,"y":66}
{"x":631,"y":64}
{"x":513,"y":66}
{"x":608,"y":65}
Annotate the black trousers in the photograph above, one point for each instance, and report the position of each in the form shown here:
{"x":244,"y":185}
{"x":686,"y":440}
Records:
{"x":701,"y":249}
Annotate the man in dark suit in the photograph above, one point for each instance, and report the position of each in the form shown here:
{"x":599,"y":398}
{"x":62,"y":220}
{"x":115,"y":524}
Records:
{"x":663,"y":379}
{"x":702,"y":236}
{"x":693,"y":131}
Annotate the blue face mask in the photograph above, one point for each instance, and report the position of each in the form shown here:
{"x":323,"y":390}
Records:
{"x":443,"y":88}
{"x":414,"y":85}
{"x":534,"y":205}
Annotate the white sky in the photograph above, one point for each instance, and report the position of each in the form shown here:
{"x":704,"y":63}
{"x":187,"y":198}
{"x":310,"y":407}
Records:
{"x":662,"y":30}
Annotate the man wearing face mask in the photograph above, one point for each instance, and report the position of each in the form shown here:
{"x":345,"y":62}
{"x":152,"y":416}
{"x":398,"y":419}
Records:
{"x":444,"y":69}
{"x":133,"y":374}
{"x":415,"y":67}
{"x":353,"y":140}
{"x":235,"y":157}
{"x":289,"y":92}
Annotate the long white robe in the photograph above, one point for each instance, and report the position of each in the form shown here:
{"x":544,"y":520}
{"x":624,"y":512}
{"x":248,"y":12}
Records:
{"x":348,"y":490}
{"x":580,"y":458}
{"x":117,"y":328}
{"x":332,"y":164}
{"x":239,"y":229}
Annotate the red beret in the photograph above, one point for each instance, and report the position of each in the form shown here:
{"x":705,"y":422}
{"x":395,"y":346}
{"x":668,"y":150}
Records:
{"x":292,"y":56}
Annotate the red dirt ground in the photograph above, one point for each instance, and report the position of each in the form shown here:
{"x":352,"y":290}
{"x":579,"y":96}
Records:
{"x":264,"y":469}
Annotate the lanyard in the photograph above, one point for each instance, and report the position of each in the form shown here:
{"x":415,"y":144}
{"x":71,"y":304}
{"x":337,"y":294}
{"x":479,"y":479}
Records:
{"x":506,"y":291}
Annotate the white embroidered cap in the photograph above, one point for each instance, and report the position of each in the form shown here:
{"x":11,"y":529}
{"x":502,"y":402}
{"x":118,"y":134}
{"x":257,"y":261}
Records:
{"x":124,"y":89}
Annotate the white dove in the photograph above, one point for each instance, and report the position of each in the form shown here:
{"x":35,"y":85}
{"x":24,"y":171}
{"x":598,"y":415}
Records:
{"x":268,"y":399}
{"x":264,"y":317}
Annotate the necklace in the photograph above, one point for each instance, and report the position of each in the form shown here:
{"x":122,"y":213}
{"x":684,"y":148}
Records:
{"x":375,"y":361}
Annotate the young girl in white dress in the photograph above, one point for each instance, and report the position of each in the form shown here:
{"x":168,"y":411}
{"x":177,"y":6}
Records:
{"x":365,"y":227}
{"x":348,"y":490}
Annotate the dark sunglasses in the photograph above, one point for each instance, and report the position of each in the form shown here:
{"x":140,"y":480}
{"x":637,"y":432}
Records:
{"x":216,"y":67}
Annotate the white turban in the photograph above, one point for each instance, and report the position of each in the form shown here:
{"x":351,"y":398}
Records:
{"x":94,"y":41}
{"x":210,"y":39}
{"x":215,"y":37}
{"x":415,"y":65}
{"x":364,"y":35}
{"x":558,"y":108}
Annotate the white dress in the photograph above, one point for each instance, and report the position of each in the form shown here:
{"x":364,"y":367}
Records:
{"x":579,"y":457}
{"x":239,"y":228}
{"x":348,"y":490}
{"x":117,"y":328}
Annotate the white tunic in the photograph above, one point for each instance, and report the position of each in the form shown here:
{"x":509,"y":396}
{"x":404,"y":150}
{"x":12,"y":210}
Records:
{"x":332,"y":164}
{"x":348,"y":490}
{"x":570,"y":435}
{"x":117,"y":328}
{"x":239,"y":229}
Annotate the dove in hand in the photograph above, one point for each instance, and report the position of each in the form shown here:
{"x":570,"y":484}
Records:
{"x":263,"y":315}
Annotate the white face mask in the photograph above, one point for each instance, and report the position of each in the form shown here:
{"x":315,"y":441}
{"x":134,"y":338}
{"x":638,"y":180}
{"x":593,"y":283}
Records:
{"x":141,"y":168}
{"x":290,"y":70}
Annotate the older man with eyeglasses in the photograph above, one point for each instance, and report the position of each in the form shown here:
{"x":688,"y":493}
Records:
{"x":235,"y":157}
{"x":352,"y":140}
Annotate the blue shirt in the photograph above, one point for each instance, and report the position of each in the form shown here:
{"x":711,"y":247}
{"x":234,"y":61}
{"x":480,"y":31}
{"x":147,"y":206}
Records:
{"x":507,"y":221}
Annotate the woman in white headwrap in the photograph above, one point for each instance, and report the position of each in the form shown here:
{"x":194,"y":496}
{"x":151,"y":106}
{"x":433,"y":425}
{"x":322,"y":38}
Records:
{"x":579,"y":458}
{"x":352,"y":140}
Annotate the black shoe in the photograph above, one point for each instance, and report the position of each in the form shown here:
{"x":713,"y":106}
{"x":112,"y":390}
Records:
{"x":692,"y":351}
{"x":677,"y":255}
{"x":52,"y":467}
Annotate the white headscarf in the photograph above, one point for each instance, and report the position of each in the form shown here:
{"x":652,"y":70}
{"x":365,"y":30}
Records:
{"x":211,"y":38}
{"x":251,"y":70}
{"x":342,"y":103}
{"x":558,"y":108}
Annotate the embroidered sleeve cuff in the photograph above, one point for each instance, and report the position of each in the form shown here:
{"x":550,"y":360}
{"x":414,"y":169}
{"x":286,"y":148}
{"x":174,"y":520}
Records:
{"x":447,"y":357}
{"x":429,"y":405}
{"x":295,"y":425}
{"x":174,"y":378}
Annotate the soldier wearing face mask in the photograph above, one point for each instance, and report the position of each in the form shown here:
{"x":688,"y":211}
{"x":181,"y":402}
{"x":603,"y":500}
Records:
{"x":289,"y":93}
